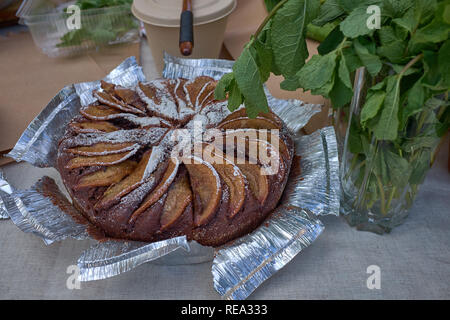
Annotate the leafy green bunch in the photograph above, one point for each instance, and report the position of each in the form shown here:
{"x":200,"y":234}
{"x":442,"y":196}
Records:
{"x":407,"y":59}
{"x":409,"y":29}
{"x":94,"y":4}
{"x":100,"y":28}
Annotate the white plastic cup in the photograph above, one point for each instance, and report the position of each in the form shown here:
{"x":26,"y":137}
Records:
{"x":162,"y":26}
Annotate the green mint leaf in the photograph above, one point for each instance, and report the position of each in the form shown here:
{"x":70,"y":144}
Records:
{"x":341,"y":94}
{"x":222,"y":86}
{"x":431,"y":119}
{"x":73,"y":38}
{"x":401,"y":33}
{"x":369,"y":60}
{"x":435,"y":31}
{"x":263,"y":54}
{"x":393,"y":51}
{"x":355,"y":24}
{"x":368,"y":148}
{"x":331,"y":42}
{"x":387,"y":35}
{"x":433,"y":78}
{"x":249,"y":81}
{"x":434,"y":103}
{"x":350,"y":5}
{"x":344,"y":73}
{"x":320,"y":33}
{"x":354,"y":138}
{"x":288,"y":35}
{"x":420,"y":12}
{"x":289,"y":84}
{"x":398,"y":168}
{"x":265,"y":40}
{"x":444,"y":123}
{"x":419,"y":142}
{"x":317,"y":71}
{"x":444,"y":62}
{"x":408,"y":22}
{"x":270,"y":4}
{"x":372,"y":106}
{"x":415,"y":101}
{"x":420,"y":167}
{"x":329,"y":11}
{"x":395,"y":8}
{"x":380,"y":167}
{"x":380,"y":85}
{"x":446,"y":14}
{"x":102,"y":35}
{"x":325,"y":89}
{"x":399,"y":68}
{"x":235,"y":97}
{"x":424,"y":10}
{"x":387,"y":126}
{"x":351,"y":59}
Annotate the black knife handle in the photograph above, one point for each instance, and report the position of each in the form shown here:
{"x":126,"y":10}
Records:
{"x":187,"y":27}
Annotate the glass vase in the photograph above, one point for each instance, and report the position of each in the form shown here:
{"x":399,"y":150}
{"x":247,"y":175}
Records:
{"x":380,"y":179}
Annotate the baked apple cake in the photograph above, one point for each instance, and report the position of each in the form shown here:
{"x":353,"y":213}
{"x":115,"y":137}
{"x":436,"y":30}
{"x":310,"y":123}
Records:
{"x":122,"y":164}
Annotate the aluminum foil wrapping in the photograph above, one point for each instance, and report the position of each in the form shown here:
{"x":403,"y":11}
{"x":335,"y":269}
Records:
{"x":317,"y":187}
{"x":34,"y":211}
{"x":238,"y":268}
{"x":115,"y":257}
{"x":4,"y":188}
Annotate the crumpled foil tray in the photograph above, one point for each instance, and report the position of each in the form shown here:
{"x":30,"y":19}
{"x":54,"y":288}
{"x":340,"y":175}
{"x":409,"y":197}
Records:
{"x":239,"y":267}
{"x":6,"y":188}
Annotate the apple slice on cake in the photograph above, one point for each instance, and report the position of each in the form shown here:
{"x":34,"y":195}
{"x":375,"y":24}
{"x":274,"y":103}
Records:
{"x":91,"y":126}
{"x":159,"y":190}
{"x":230,"y":174}
{"x":106,"y":176}
{"x":205,"y":182}
{"x":179,"y":197}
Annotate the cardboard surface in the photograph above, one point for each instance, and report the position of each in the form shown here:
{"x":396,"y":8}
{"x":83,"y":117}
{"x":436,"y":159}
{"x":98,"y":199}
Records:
{"x":29,"y":79}
{"x":242,"y":23}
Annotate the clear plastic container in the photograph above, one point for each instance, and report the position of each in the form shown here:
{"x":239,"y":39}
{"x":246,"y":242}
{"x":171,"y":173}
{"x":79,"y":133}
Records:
{"x":47,"y":21}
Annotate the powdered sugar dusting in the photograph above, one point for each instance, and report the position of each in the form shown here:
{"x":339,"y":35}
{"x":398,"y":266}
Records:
{"x":186,"y":92}
{"x":173,"y":174}
{"x":108,"y":152}
{"x":146,"y":121}
{"x":141,"y":136}
{"x":125,"y":157}
{"x":167,"y":106}
{"x":138,"y":194}
{"x":157,"y":156}
{"x":216,"y":113}
{"x":236,"y":172}
{"x":198,"y":105}
{"x":115,"y":103}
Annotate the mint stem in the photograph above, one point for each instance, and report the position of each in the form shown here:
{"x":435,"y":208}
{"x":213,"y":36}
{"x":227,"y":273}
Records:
{"x":411,"y":63}
{"x":391,"y":196}
{"x":269,"y":16}
{"x":383,"y":198}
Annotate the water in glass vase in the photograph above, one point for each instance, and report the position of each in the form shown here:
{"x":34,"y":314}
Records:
{"x":380,"y":177}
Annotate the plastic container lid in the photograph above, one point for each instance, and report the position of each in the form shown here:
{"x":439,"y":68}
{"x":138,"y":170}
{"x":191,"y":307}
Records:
{"x":166,"y":13}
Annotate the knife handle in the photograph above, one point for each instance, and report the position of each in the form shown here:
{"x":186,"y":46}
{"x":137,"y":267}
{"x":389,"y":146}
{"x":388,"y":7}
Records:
{"x":186,"y":29}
